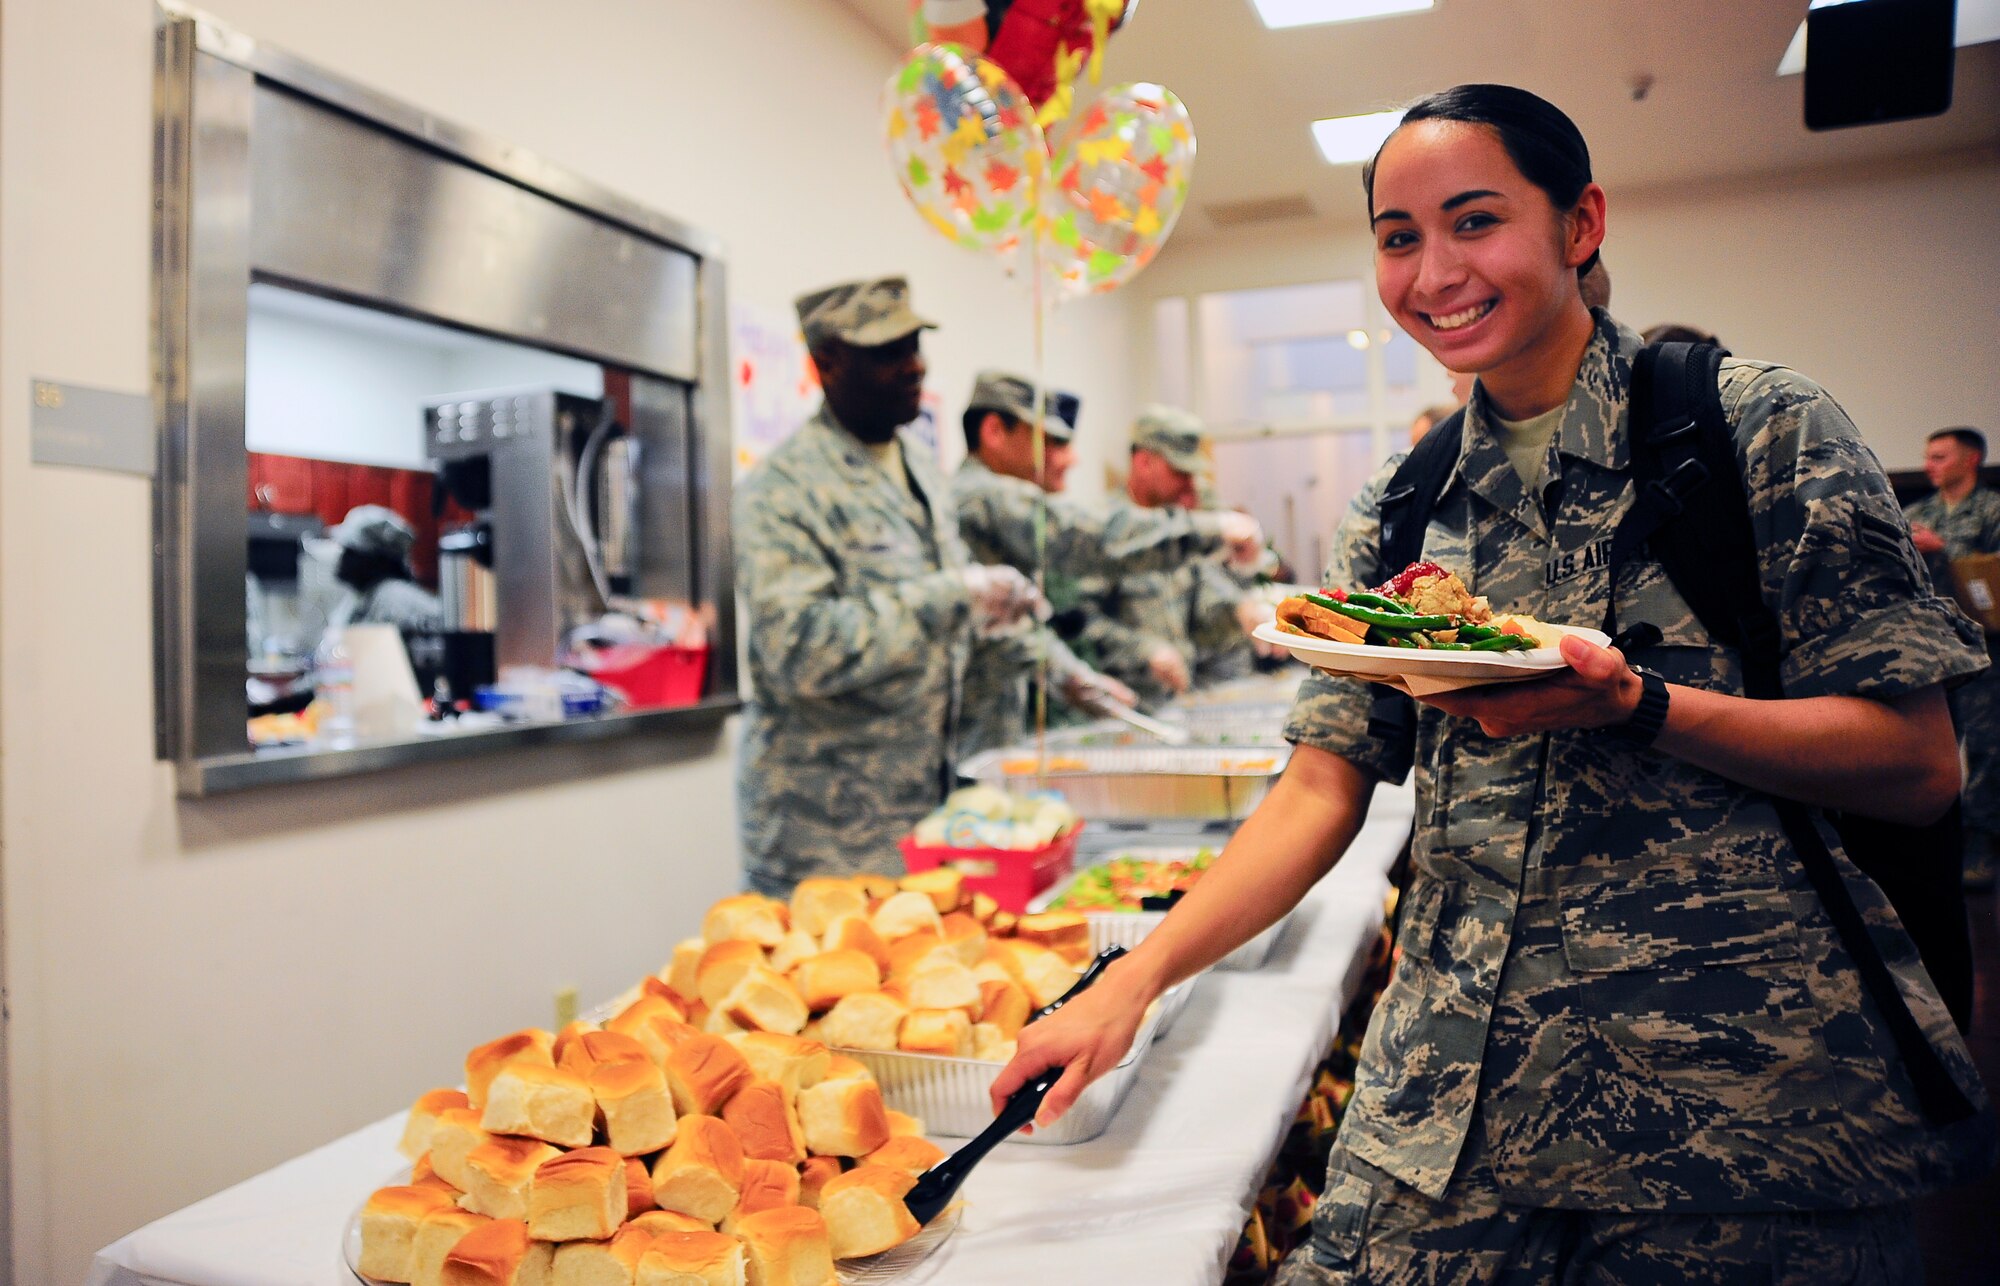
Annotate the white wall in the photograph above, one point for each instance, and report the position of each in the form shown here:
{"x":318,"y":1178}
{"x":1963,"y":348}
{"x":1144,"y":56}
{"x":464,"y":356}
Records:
{"x":200,"y":990}
{"x":327,"y":381}
{"x":1877,"y":283}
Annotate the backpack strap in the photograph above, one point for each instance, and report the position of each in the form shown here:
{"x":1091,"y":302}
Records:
{"x":1692,"y":512}
{"x":1405,"y":513}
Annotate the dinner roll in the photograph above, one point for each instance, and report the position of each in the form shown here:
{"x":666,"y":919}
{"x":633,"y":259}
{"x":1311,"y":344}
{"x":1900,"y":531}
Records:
{"x":702,"y":1173}
{"x":1004,"y":1004}
{"x":456,"y":1134}
{"x":943,"y":885}
{"x":499,"y":1174}
{"x":423,"y":1176}
{"x":937,"y":1031}
{"x":656,"y":1222}
{"x":498,"y":1253}
{"x":638,"y":1188}
{"x":839,"y":1067}
{"x":813,"y":1176}
{"x":823,"y":979}
{"x":767,"y":1185}
{"x":819,"y":901}
{"x":546,"y":1103}
{"x":983,"y":907}
{"x":723,"y":966}
{"x":389,"y":1223}
{"x":907,"y":1153}
{"x":864,"y":1210}
{"x":792,"y":1061}
{"x":798,"y":945}
{"x":904,"y":914}
{"x":693,"y":1259}
{"x":592,"y":1048}
{"x":865,"y":1020}
{"x":423,"y":1119}
{"x":602,"y":1263}
{"x":702,"y":1072}
{"x":531,"y":1045}
{"x":1064,"y":932}
{"x":748,"y":917}
{"x":901,"y":1123}
{"x":761,"y":1113}
{"x":843,"y":1118}
{"x":635,"y":1104}
{"x":436,"y":1235}
{"x":765,"y":1000}
{"x":991,"y":1045}
{"x":943,"y":984}
{"x":679,"y":973}
{"x":787,"y":1246}
{"x":966,"y":937}
{"x":578,"y":1196}
{"x":856,"y":933}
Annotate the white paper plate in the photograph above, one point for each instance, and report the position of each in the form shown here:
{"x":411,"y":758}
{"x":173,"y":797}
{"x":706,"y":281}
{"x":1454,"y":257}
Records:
{"x":1371,"y":661}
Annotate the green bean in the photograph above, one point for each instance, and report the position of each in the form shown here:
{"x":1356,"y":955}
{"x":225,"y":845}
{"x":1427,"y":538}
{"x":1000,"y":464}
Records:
{"x":1397,"y":640}
{"x":1402,"y":624}
{"x":1474,"y":633}
{"x":1505,"y":643}
{"x":1380,"y":602}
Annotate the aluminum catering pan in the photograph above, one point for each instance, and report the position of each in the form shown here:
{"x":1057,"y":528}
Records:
{"x":1137,"y":783}
{"x":1129,"y":928}
{"x":950,"y":1094}
{"x":1258,"y":726}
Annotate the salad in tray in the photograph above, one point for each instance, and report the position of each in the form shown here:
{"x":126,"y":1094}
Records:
{"x":1123,"y":883}
{"x":1423,"y":607}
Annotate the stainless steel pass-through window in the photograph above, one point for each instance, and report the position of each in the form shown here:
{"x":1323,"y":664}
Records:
{"x":416,"y":381}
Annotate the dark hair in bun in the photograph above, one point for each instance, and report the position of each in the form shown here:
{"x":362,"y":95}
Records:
{"x":1544,"y":144}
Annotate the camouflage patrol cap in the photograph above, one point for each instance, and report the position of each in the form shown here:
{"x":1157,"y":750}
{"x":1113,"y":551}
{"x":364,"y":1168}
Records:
{"x":1174,"y":435}
{"x":866,"y":314}
{"x":1014,"y":396}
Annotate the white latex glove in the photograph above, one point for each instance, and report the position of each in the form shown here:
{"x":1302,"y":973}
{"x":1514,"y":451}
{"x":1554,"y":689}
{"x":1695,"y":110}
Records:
{"x":1243,"y":536}
{"x":1169,"y":668}
{"x":1001,"y":596}
{"x":1088,"y":689}
{"x":1252,"y":612}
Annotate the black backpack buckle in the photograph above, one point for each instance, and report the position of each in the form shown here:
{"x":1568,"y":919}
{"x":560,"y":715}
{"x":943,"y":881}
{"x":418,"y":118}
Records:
{"x":1680,"y":483}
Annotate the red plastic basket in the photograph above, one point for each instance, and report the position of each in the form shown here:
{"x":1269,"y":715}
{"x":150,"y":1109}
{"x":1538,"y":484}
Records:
{"x":1011,"y":877}
{"x":667,"y":676}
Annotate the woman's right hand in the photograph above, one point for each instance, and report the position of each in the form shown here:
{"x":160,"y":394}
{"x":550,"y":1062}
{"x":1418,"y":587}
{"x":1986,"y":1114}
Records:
{"x":1088,"y":1036}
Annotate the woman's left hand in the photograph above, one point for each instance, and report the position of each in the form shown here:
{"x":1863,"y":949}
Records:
{"x":1598,"y":690}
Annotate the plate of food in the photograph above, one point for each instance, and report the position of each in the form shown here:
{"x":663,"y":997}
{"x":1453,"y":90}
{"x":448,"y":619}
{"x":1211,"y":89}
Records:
{"x":1420,"y":629}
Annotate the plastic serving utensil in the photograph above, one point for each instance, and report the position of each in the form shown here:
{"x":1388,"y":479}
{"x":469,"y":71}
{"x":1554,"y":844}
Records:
{"x":942,"y":1181}
{"x":1165,"y":732}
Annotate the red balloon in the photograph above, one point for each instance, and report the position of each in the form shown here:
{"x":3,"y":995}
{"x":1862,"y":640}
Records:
{"x":1024,"y":37}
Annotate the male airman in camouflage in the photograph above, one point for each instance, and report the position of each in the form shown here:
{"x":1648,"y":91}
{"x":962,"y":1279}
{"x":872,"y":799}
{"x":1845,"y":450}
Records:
{"x":861,"y":607}
{"x":1142,"y":629}
{"x":999,"y":504}
{"x":1621,"y":1019}
{"x":1958,"y":519}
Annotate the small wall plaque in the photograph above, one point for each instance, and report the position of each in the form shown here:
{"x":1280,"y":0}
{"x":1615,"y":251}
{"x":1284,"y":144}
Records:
{"x":92,"y":428}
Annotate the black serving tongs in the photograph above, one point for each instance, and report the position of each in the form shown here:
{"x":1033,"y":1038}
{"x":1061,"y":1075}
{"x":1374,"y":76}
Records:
{"x":942,"y":1181}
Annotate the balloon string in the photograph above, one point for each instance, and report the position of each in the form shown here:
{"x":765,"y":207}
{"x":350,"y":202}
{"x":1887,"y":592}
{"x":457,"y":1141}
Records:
{"x":1040,"y":303}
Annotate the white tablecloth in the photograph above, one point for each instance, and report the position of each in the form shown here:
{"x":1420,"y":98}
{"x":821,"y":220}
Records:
{"x":1159,"y":1197}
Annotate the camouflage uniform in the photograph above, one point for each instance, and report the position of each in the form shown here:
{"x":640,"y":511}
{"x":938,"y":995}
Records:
{"x":1616,"y":991}
{"x":1125,"y":620}
{"x":858,"y":626}
{"x":1973,"y":527}
{"x":996,"y":516}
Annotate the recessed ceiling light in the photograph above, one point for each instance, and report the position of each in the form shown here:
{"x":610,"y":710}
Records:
{"x":1305,"y":13}
{"x":1349,"y":140}
{"x":1978,"y":22}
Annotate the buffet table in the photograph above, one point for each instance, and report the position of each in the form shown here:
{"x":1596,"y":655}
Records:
{"x":1159,"y":1197}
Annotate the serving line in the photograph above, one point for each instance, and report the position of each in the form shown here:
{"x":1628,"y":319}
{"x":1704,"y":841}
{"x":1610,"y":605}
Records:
{"x":1160,"y":1196}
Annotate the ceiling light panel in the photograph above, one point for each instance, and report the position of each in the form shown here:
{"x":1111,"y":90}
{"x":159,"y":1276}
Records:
{"x":1350,"y":140}
{"x":1978,"y":23}
{"x":1305,"y":13}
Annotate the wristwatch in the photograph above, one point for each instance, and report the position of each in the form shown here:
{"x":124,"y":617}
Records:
{"x":1643,"y":728}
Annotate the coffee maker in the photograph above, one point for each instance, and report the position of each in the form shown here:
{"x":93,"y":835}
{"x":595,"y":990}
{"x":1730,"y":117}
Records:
{"x":551,"y":480}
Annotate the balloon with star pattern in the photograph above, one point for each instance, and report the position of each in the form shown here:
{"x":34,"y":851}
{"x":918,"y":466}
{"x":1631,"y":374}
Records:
{"x":1119,"y":180}
{"x":966,"y":147}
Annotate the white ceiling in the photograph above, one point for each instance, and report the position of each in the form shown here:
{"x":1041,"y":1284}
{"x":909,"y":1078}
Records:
{"x":1716,"y":106}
